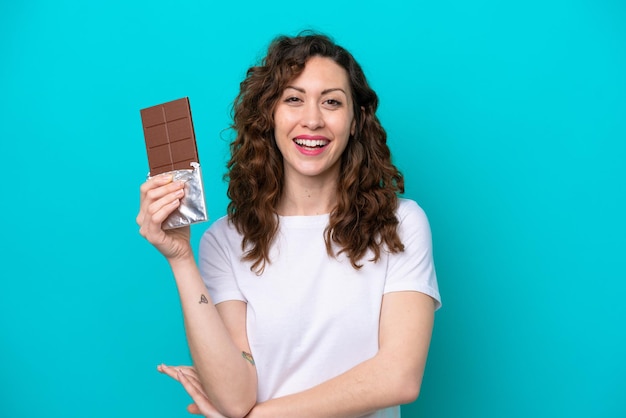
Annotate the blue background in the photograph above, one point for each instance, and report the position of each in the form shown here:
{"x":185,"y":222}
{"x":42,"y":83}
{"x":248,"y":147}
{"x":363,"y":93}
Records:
{"x":507,"y":119}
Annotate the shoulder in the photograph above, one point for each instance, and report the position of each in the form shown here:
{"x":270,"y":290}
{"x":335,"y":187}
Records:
{"x":409,"y":213}
{"x":221,"y":232}
{"x":407,"y":205}
{"x":413,"y":269}
{"x":413,"y":225}
{"x":219,"y":226}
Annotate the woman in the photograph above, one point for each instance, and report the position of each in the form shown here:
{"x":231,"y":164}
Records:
{"x":315,"y":295}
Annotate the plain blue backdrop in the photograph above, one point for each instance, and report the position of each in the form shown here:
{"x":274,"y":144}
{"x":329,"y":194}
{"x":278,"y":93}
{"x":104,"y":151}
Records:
{"x":507,"y":119}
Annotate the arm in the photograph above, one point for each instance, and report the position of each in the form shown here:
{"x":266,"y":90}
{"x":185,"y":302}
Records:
{"x":392,"y":377}
{"x":216,"y":336}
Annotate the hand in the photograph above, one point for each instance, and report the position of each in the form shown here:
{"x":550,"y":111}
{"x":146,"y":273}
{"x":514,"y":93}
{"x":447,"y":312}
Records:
{"x":188,"y":377}
{"x":160,"y":196}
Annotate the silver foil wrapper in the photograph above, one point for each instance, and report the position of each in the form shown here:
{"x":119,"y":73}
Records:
{"x":192,"y":207}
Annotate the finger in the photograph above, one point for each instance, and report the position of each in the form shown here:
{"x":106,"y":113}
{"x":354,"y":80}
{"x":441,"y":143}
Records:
{"x":162,"y":207}
{"x":155,"y":189}
{"x":169,"y":371}
{"x":158,"y":212}
{"x":193,"y":381}
{"x":198,"y":396}
{"x":201,"y":405}
{"x":157,"y":193}
{"x":193,"y":378}
{"x":192,"y":408}
{"x":154,"y":194}
{"x":172,"y":372}
{"x":156,"y":181}
{"x":147,"y":187}
{"x":189,"y":371}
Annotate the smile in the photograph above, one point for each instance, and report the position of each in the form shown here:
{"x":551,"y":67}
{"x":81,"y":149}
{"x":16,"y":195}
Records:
{"x":311,"y":142}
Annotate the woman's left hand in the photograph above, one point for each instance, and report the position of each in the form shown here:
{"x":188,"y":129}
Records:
{"x":188,"y":377}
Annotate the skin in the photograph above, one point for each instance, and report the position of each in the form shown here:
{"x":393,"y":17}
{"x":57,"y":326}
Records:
{"x":216,"y":335}
{"x":392,"y":377}
{"x":317,"y":104}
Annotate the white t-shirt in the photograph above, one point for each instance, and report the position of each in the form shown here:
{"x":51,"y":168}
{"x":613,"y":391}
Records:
{"x":311,"y":317}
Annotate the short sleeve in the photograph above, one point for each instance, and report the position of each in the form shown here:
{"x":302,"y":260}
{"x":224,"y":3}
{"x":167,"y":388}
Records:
{"x":414,"y":268}
{"x":216,"y":263}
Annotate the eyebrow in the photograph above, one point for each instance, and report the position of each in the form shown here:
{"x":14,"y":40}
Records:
{"x":301,"y":90}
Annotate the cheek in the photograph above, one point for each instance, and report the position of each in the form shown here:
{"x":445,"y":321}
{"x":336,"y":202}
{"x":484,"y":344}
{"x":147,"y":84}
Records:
{"x":346,"y":125}
{"x":349,"y":122}
{"x":282,"y":122}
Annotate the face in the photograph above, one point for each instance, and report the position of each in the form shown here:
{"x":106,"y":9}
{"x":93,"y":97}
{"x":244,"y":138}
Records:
{"x":313,"y":121}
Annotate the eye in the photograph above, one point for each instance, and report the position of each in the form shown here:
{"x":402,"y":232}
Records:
{"x":333,"y":102}
{"x":292,"y":99}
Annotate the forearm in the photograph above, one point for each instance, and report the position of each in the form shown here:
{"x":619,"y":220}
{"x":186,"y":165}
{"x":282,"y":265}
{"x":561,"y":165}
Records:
{"x":228,"y":379}
{"x":380,"y":382}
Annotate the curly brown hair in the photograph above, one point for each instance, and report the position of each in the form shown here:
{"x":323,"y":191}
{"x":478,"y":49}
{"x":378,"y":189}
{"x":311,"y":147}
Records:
{"x":364,"y":217}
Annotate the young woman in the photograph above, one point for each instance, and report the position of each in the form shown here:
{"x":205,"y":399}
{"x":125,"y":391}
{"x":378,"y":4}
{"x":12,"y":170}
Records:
{"x":315,"y":295}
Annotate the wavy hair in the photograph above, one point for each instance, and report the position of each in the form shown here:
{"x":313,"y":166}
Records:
{"x":364,"y":217}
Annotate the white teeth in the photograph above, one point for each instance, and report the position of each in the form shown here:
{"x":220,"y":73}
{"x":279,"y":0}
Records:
{"x":311,"y":143}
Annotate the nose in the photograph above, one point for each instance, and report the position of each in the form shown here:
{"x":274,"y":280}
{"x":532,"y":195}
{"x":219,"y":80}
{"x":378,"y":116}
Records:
{"x":312,"y":116}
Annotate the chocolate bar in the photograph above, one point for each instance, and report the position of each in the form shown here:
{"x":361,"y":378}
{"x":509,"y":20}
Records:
{"x":171,"y":145}
{"x":170,"y":139}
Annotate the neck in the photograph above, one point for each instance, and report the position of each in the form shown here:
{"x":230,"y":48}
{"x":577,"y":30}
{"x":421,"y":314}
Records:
{"x":307,"y":198}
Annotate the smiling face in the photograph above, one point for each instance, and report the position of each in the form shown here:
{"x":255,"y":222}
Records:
{"x":313,"y":121}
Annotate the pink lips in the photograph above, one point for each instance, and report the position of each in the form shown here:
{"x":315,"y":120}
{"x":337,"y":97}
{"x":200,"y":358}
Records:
{"x":311,"y":145}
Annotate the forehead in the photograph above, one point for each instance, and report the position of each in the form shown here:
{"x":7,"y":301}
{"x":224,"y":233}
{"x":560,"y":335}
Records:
{"x":322,"y":73}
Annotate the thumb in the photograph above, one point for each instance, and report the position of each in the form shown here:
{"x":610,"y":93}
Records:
{"x":192,"y":408}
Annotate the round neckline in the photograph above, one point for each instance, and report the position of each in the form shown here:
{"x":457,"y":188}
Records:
{"x":303,"y":220}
